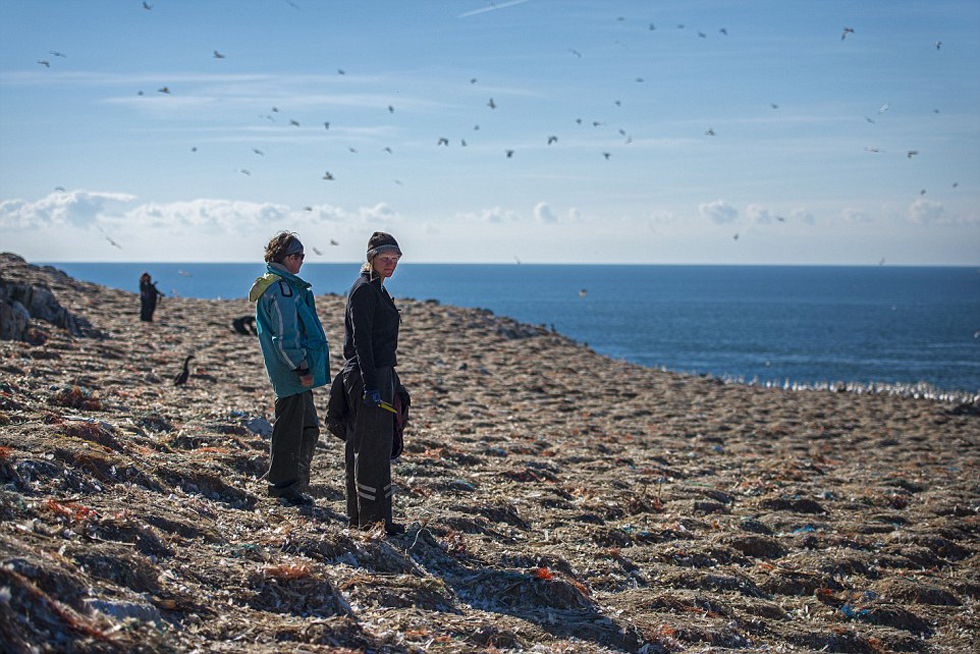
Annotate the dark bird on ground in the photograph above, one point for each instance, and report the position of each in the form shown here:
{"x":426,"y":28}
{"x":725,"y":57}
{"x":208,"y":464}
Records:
{"x":911,"y":153}
{"x":510,"y":153}
{"x":492,"y":104}
{"x":218,"y":55}
{"x":165,"y":89}
{"x":552,"y":139}
{"x":847,"y":30}
{"x":443,"y":141}
{"x":44,"y":62}
{"x":181,"y":378}
{"x":327,"y":176}
{"x":245,"y":325}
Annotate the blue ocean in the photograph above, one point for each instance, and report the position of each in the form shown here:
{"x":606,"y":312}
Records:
{"x":807,"y":325}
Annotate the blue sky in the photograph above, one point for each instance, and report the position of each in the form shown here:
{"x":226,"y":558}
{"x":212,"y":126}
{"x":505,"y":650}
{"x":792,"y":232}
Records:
{"x":674,"y":128}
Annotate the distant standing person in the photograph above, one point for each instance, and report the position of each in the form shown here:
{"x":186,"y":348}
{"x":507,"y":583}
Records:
{"x":297,"y":360}
{"x":371,"y":323}
{"x":148,"y":297}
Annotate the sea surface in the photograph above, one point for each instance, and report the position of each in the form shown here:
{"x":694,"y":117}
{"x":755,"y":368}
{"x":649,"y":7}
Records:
{"x":809,"y":325}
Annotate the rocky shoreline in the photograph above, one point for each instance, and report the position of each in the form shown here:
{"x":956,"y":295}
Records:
{"x":556,"y":500}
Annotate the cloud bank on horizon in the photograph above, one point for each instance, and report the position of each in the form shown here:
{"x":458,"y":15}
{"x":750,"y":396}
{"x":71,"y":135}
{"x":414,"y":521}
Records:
{"x":586,"y":132}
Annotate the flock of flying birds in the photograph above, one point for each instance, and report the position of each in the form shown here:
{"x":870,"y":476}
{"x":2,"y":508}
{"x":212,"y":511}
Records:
{"x":443,"y":141}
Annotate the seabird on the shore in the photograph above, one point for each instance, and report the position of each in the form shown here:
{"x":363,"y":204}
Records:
{"x":181,"y":378}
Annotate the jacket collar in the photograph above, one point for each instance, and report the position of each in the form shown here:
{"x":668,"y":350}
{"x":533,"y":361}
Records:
{"x":280,"y":270}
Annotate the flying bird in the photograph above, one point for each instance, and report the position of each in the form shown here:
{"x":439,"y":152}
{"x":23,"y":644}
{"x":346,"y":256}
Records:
{"x":652,"y":27}
{"x":391,"y":109}
{"x":722,"y":30}
{"x":869,"y":120}
{"x":61,"y":189}
{"x":218,"y":55}
{"x":147,"y":6}
{"x":870,"y":149}
{"x":493,"y":6}
{"x":847,"y":30}
{"x":294,"y":123}
{"x":774,"y":105}
{"x":710,"y":132}
{"x":781,"y":219}
{"x":510,"y":153}
{"x":113,"y":243}
{"x":55,"y":53}
{"x":333,"y":242}
{"x":44,"y":62}
{"x":472,"y":80}
{"x":552,"y":139}
{"x":885,"y":107}
{"x":576,"y":53}
{"x":341,"y":71}
{"x":194,"y":149}
{"x":606,"y":155}
{"x":443,"y":141}
{"x":736,"y":236}
{"x":492,"y":104}
{"x":462,"y":142}
{"x":327,"y":176}
{"x":165,"y":89}
{"x":583,"y":292}
{"x":939,"y":45}
{"x":317,"y":252}
{"x":275,"y":110}
{"x":351,"y":150}
{"x":184,"y":273}
{"x":388,"y":150}
{"x":911,"y":153}
{"x":181,"y":378}
{"x":326,"y":125}
{"x":702,"y":35}
{"x":307,"y":208}
{"x":244,"y":171}
{"x":258,"y":152}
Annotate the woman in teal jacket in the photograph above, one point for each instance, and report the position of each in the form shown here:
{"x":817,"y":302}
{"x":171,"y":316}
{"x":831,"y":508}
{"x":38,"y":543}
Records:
{"x":297,"y":360}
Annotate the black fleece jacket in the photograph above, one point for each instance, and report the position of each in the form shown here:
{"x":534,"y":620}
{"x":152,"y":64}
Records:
{"x":370,"y":329}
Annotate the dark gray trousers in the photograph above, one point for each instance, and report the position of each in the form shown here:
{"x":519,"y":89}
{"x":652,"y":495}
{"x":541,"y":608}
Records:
{"x":367,"y":454}
{"x":294,"y":437}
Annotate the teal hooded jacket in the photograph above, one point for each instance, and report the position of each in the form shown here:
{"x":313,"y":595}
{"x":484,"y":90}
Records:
{"x":290,"y":332}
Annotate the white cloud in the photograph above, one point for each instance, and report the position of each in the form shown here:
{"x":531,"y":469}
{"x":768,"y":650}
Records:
{"x":759,"y":214}
{"x":803,"y":216}
{"x":62,"y":209}
{"x":718,"y":211}
{"x":495,"y":215}
{"x":925,"y":211}
{"x":543,"y":213}
{"x":853,"y":215}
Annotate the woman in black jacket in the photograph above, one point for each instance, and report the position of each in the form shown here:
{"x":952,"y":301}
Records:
{"x":148,"y":297}
{"x":370,"y":343}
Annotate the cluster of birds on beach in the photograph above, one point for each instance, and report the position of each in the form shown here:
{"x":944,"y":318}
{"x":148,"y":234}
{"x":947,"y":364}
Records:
{"x":276,"y":115}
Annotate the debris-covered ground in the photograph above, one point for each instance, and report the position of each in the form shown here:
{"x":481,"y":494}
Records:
{"x":555,"y":500}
